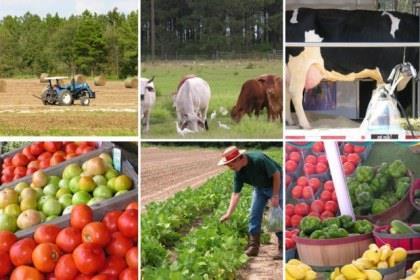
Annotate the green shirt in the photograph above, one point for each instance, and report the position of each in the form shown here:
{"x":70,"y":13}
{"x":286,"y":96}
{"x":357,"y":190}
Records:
{"x":258,"y":172}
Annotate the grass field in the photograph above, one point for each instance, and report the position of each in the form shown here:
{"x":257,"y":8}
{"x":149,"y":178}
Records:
{"x":225,"y":79}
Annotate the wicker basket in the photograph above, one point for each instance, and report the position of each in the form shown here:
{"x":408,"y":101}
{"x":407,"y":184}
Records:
{"x":326,"y":254}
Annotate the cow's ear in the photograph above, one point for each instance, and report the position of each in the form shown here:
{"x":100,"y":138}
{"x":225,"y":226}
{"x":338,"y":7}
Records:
{"x":262,"y":79}
{"x":184,"y":124}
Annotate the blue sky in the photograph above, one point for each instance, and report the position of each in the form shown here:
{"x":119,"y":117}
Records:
{"x":63,"y":7}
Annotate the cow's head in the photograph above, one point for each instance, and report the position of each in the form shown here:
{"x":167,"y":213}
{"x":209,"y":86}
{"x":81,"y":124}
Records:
{"x":192,"y":122}
{"x":147,"y":86}
{"x":270,"y":83}
{"x":236,"y":113}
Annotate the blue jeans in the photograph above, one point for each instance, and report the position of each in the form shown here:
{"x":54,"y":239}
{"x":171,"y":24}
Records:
{"x":260,"y":196}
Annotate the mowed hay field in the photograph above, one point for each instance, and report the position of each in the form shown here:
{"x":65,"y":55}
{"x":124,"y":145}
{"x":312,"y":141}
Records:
{"x":114,"y":111}
{"x":225,"y":79}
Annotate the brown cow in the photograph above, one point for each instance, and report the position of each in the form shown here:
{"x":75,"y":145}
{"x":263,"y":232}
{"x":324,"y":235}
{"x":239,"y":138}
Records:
{"x":273,"y":88}
{"x":252,"y":99}
{"x":257,"y":94}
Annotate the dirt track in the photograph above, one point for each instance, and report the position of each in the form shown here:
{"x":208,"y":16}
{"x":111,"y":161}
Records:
{"x":22,"y":113}
{"x":165,"y":171}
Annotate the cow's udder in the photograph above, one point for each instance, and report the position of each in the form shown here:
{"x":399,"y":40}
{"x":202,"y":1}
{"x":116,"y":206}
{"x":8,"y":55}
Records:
{"x":313,"y":77}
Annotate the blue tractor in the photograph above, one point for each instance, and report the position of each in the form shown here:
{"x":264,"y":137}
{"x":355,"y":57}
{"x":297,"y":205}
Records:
{"x":66,"y":94}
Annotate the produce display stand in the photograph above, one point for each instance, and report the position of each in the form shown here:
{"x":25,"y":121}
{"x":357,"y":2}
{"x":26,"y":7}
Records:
{"x":102,"y":147}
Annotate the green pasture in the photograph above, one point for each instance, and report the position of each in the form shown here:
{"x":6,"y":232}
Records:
{"x":225,"y":79}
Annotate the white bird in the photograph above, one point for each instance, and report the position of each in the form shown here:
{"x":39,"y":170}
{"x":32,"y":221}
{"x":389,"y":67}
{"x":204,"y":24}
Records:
{"x":223,"y":111}
{"x":221,"y":125}
{"x":213,"y":115}
{"x":182,"y":132}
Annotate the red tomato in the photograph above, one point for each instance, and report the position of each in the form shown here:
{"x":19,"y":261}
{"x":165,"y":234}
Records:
{"x":6,"y":265}
{"x":68,"y":239}
{"x":311,"y":159}
{"x":297,"y":192}
{"x":65,"y":268}
{"x":290,"y":209}
{"x":6,"y":178}
{"x":21,"y":251}
{"x":318,"y":147}
{"x":44,"y":163}
{"x":317,"y":206}
{"x":114,"y":266}
{"x":288,"y":180}
{"x":59,"y":153}
{"x":45,"y":257}
{"x":37,"y":148}
{"x":315,"y":183}
{"x":45,"y":156}
{"x":89,"y":258}
{"x":307,"y":192}
{"x":291,"y":166}
{"x":110,"y":220}
{"x":322,"y":159}
{"x":348,"y":168}
{"x":119,"y":245}
{"x":103,"y":277}
{"x":331,"y":206}
{"x":70,"y":156}
{"x":87,"y":149}
{"x":308,"y":169}
{"x":56,"y":159}
{"x":290,"y":148}
{"x":96,"y":233}
{"x":27,"y":152}
{"x":295,"y":156}
{"x":9,"y":170}
{"x":314,"y":214}
{"x":7,"y":239}
{"x":343,"y":158}
{"x":128,"y":223}
{"x":8,"y":161}
{"x":132,"y":205}
{"x":354,"y":158}
{"x":325,"y":195}
{"x":348,"y":148}
{"x":302,"y":181}
{"x":30,"y":171}
{"x":70,"y":148}
{"x":334,"y":196}
{"x":52,"y":147}
{"x":288,"y":221}
{"x":46,"y":233}
{"x":321,"y":168}
{"x":34,"y":164}
{"x":290,"y":243}
{"x":132,"y":258}
{"x":20,"y":159}
{"x":326,"y":214}
{"x":359,"y":149}
{"x":295,"y":220}
{"x":83,"y":277}
{"x":26,"y":273}
{"x":302,"y":209}
{"x":329,"y":186}
{"x":80,"y":216}
{"x":128,"y":274}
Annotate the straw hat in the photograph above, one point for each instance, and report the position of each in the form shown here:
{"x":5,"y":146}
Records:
{"x":230,"y":154}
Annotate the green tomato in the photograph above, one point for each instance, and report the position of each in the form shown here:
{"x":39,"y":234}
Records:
{"x":111,"y":183}
{"x":95,"y":200}
{"x":50,"y":218}
{"x":43,"y":199}
{"x":111,"y":173}
{"x":81,"y":197}
{"x":54,"y":180}
{"x":65,"y":200}
{"x":39,"y":192}
{"x":62,"y":192}
{"x":99,"y":180}
{"x":12,"y":210}
{"x":8,"y":222}
{"x":74,"y":184}
{"x":67,"y":210}
{"x":64,"y":183}
{"x":50,"y":189}
{"x":123,"y":182}
{"x":52,"y":207}
{"x":28,"y":203}
{"x":21,"y":186}
{"x":102,"y":192}
{"x":120,"y":192}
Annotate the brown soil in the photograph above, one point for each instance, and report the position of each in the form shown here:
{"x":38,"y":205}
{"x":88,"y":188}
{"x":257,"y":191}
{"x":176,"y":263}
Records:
{"x":114,"y":108}
{"x":166,"y":171}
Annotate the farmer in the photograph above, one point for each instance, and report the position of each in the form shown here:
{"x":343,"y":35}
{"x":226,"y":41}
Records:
{"x":264,"y":174}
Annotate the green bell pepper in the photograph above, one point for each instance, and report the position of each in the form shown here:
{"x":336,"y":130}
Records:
{"x":362,"y":227}
{"x":364,"y":198}
{"x":364,"y":174}
{"x":317,"y":234}
{"x":379,"y":206}
{"x":346,"y":222}
{"x":397,"y":169}
{"x":309,"y":224}
{"x":331,"y":221}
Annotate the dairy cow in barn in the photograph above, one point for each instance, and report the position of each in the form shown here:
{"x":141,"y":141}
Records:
{"x":306,"y":67}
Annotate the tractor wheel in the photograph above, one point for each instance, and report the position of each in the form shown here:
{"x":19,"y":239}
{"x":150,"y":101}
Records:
{"x":48,"y":97}
{"x":84,"y":99}
{"x":66,"y":98}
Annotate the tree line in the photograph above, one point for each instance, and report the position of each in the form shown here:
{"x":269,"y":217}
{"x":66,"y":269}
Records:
{"x":207,"y":27}
{"x":89,"y":44}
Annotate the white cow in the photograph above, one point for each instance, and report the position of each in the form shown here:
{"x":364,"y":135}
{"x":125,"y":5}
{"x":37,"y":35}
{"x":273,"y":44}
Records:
{"x":147,"y":100}
{"x":191,"y":102}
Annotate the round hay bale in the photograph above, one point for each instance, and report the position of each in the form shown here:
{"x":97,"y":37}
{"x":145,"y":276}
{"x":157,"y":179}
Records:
{"x":42,"y":77}
{"x":79,"y":79}
{"x":2,"y":86}
{"x":131,"y":82}
{"x":99,"y":80}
